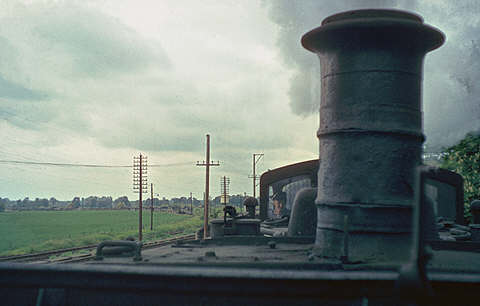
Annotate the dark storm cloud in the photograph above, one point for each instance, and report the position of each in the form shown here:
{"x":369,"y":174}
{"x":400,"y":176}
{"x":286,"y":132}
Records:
{"x":294,"y":19}
{"x":452,"y":103}
{"x":451,"y":99}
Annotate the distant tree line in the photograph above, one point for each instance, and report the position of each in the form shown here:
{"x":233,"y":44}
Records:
{"x":464,"y":158}
{"x":106,"y":202}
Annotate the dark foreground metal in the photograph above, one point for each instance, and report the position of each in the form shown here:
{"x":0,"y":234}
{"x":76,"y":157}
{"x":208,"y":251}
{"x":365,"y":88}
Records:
{"x":188,"y":285}
{"x":120,"y":246}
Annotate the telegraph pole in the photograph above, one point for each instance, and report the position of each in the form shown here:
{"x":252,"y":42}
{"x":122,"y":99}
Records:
{"x":207,"y":164}
{"x":151,"y":207}
{"x":140,"y":186}
{"x":256,"y":159}
{"x":224,"y":184}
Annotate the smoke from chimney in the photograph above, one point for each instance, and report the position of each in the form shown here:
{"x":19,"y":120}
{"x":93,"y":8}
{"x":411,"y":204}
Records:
{"x":451,"y":94}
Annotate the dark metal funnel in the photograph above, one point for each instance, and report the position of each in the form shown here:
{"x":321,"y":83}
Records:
{"x":370,"y":129}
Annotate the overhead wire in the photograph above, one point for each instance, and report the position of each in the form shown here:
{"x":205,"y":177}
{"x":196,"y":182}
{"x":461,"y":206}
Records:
{"x":29,"y":160}
{"x":23,"y":162}
{"x":33,"y":162}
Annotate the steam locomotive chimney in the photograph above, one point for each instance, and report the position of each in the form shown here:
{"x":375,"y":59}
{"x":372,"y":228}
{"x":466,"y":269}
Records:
{"x":370,"y":129}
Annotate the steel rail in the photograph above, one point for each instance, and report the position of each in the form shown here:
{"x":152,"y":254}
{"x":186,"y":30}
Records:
{"x":34,"y":257}
{"x":27,"y":257}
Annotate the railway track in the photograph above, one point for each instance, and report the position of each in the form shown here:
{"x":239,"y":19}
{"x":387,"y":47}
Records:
{"x":44,"y":257}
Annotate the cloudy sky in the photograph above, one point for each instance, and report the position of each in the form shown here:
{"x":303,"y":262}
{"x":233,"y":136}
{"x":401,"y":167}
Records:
{"x":97,"y":82}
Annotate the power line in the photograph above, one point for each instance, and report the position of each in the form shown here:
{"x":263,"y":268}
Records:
{"x":61,"y":164}
{"x":23,"y":162}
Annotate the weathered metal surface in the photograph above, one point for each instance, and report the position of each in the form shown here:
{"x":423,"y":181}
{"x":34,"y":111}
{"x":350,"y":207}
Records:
{"x":263,"y":283}
{"x":475,"y":210}
{"x":475,"y":231}
{"x":445,"y":188}
{"x":308,"y":168}
{"x":250,"y":204}
{"x":370,"y":128}
{"x":303,"y":219}
{"x":413,"y":274}
{"x":221,"y":227}
{"x":120,"y":246}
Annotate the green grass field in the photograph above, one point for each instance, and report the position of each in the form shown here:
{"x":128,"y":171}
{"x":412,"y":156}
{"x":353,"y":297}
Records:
{"x":35,"y":231}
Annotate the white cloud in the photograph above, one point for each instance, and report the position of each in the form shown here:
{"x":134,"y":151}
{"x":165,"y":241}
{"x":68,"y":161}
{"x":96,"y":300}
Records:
{"x":98,"y":82}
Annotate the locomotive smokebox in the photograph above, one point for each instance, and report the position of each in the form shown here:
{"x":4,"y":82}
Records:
{"x":370,"y":130}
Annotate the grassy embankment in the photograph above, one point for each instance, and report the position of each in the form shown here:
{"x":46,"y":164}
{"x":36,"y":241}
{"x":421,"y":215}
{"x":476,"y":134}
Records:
{"x":35,"y":231}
